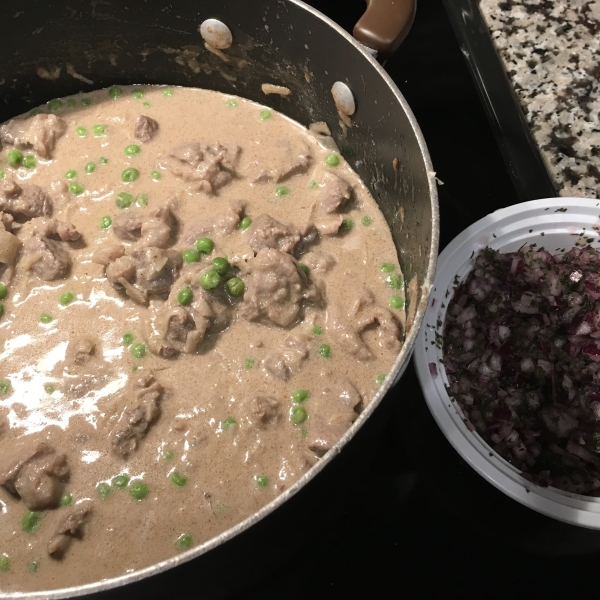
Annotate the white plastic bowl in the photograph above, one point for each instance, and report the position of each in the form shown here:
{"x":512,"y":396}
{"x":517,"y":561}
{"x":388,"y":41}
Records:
{"x":555,"y":224}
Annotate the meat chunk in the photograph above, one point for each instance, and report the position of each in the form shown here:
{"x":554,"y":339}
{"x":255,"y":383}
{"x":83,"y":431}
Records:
{"x":24,"y":201}
{"x":39,"y":132}
{"x":36,"y":473}
{"x":334,"y":406}
{"x":293,"y":157}
{"x":68,"y":530}
{"x":107,"y":254}
{"x":10,"y":245}
{"x":53,"y":227}
{"x":319,"y":261}
{"x":288,"y":359}
{"x":269,"y":233}
{"x":329,"y":224}
{"x":261,"y":411}
{"x":275,"y":288}
{"x":6,"y":221}
{"x":334,"y":193}
{"x":205,"y":167}
{"x":218,"y":224}
{"x":46,"y":258}
{"x":152,"y":228}
{"x":80,"y":351}
{"x":135,"y":420}
{"x":145,"y":128}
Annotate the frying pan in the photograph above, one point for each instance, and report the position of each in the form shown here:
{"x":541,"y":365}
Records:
{"x":54,"y":48}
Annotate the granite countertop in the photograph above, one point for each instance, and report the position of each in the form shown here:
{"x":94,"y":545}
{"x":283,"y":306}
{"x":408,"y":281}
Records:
{"x":551,"y":52}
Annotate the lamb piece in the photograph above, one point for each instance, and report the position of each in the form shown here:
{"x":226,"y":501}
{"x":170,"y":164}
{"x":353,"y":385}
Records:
{"x":36,"y":473}
{"x":293,"y":157}
{"x":334,"y":193}
{"x":269,"y":233}
{"x":218,"y":224}
{"x":135,"y":420}
{"x":261,"y":411}
{"x":333,"y":408}
{"x":152,"y":228}
{"x":39,"y":132}
{"x":24,"y":201}
{"x":329,"y":225}
{"x":6,"y":221}
{"x":107,"y":254}
{"x":80,"y":351}
{"x":205,"y":167}
{"x":319,"y":261}
{"x":275,"y":288}
{"x":47,"y":227}
{"x":387,"y":325}
{"x":288,"y":359}
{"x":68,"y":530}
{"x":48,"y":259}
{"x":10,"y":245}
{"x":145,"y":129}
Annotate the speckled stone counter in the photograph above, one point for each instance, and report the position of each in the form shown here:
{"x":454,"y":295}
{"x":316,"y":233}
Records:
{"x":551,"y":51}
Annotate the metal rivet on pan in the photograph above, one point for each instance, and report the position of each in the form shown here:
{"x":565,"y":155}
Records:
{"x":343,"y":98}
{"x":216,"y":34}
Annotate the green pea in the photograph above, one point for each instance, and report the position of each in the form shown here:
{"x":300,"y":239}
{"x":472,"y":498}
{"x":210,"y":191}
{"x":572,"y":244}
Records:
{"x":128,"y":339}
{"x":387,"y":267}
{"x":220,"y":265}
{"x":120,"y":481}
{"x":90,"y":167}
{"x":156,"y":175}
{"x":71,"y":103}
{"x":317,"y":330}
{"x":190,"y":256}
{"x":300,"y":396}
{"x":396,"y":302}
{"x":183,"y":541}
{"x":103,"y":490}
{"x":4,"y":387}
{"x":142,"y":200}
{"x":71,"y":174}
{"x":205,"y":245}
{"x":35,"y":111}
{"x":66,"y":298}
{"x":45,"y":318}
{"x":32,"y":566}
{"x":168,"y":92}
{"x":185,"y":296}
{"x":262,"y":481}
{"x":124,"y":200}
{"x":81,"y":131}
{"x":347,"y":225}
{"x":282,"y":190}
{"x":132,"y":150}
{"x":245,"y":223}
{"x":14,"y":158}
{"x":395,"y":282}
{"x":231,"y":103}
{"x":304,"y":268}
{"x":138,"y":489}
{"x":228,"y":422}
{"x":209,"y":280}
{"x":55,"y":105}
{"x":105,"y":222}
{"x":264,"y":114}
{"x":4,"y":563}
{"x":312,"y":185}
{"x":168,"y":455}
{"x":138,"y":94}
{"x":103,"y":160}
{"x":236,"y":287}
{"x":30,"y":521}
{"x":86,"y":102}
{"x":29,"y":162}
{"x":99,"y":129}
{"x":115,"y":92}
{"x":332,"y":159}
{"x":49,"y":388}
{"x":134,"y":369}
{"x":325,"y":351}
{"x":138,"y":350}
{"x":147,"y":104}
{"x":66,"y":500}
{"x":249,"y":363}
{"x":178,"y":479}
{"x":130,"y":174}
{"x":76,"y":188}
{"x":298,"y":414}
{"x":1,"y":309}
{"x":380,"y":378}
{"x":2,"y":174}
{"x":3,"y":291}
{"x":366,"y":220}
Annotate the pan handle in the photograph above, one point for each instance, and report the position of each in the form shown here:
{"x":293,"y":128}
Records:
{"x":385,"y":24}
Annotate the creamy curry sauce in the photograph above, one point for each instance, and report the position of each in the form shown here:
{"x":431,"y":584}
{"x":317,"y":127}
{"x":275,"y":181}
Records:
{"x":116,"y":362}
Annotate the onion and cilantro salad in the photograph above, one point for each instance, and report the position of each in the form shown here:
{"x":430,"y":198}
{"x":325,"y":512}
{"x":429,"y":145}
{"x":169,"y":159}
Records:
{"x":521,"y":350}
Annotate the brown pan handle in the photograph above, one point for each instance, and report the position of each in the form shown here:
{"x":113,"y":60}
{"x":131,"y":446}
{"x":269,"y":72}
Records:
{"x":385,"y":24}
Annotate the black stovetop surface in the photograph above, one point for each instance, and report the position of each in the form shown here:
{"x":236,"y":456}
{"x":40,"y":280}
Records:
{"x":420,"y":523}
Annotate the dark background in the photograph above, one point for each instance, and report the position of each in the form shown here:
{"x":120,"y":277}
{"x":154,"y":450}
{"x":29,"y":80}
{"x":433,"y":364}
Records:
{"x":412,"y":519}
